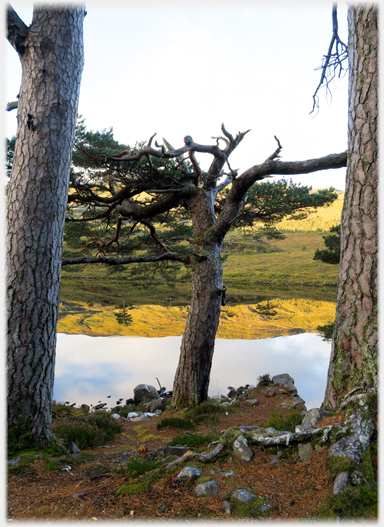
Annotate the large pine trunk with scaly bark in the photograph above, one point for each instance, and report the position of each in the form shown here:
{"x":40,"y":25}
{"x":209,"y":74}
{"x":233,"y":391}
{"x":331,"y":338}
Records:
{"x":52,"y":57}
{"x":353,"y":362}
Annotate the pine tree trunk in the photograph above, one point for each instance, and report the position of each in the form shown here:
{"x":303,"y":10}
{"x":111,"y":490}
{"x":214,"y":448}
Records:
{"x":52,"y":61}
{"x":193,"y":372}
{"x":353,"y":362}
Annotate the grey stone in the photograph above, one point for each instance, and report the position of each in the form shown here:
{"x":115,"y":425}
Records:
{"x":341,"y":482}
{"x":265,"y":507}
{"x":282,"y":379}
{"x":157,"y":404}
{"x":190,"y":474}
{"x":232,"y":393}
{"x":252,"y":402}
{"x":227,"y":507}
{"x":356,"y":479}
{"x":139,"y":419}
{"x":290,"y":387}
{"x":302,"y":428}
{"x":312,"y":417}
{"x":243,"y":496}
{"x":84,"y":407}
{"x":144,"y":391}
{"x":207,"y":490}
{"x":270,"y":430}
{"x":270,"y":392}
{"x":305,"y":451}
{"x":74,"y":449}
{"x":296,"y":401}
{"x":115,"y":416}
{"x":356,"y":444}
{"x":134,"y":414}
{"x":175,"y":450}
{"x":241,"y":449}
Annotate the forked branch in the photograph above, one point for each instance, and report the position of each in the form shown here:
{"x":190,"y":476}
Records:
{"x":333,"y":61}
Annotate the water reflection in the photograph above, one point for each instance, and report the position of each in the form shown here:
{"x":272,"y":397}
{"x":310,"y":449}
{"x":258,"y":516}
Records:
{"x":90,"y":368}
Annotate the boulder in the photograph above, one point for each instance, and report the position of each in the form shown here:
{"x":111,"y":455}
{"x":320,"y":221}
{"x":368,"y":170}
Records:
{"x":207,"y":490}
{"x":270,"y":392}
{"x":144,"y":391}
{"x":312,"y":417}
{"x":296,"y":401}
{"x":74,"y":449}
{"x":243,"y":496}
{"x":283,"y":379}
{"x":175,"y":451}
{"x":241,"y":449}
{"x":84,"y":407}
{"x":190,"y":474}
{"x":156,"y":404}
{"x":305,"y":451}
{"x":252,"y":402}
{"x":232,"y":393}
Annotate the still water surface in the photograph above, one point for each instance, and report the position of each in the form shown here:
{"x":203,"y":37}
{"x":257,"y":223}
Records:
{"x":90,"y":368}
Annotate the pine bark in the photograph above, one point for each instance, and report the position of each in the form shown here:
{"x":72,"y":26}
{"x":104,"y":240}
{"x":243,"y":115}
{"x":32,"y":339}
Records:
{"x":198,"y":343}
{"x":52,"y":57}
{"x":353,"y":362}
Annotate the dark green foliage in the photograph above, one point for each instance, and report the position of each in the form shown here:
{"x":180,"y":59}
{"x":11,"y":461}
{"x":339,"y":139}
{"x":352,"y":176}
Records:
{"x":143,"y":483}
{"x":326,"y":331}
{"x":87,"y":431}
{"x":331,"y":254}
{"x":194,"y":440}
{"x":269,"y":203}
{"x":136,"y":467}
{"x":264,"y":380}
{"x":284,"y":422}
{"x":352,"y":502}
{"x":176,"y":422}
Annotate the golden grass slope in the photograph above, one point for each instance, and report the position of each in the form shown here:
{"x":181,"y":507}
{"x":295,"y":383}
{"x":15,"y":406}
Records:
{"x":277,"y":317}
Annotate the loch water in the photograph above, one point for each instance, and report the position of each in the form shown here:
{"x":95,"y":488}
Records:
{"x":88,"y":369}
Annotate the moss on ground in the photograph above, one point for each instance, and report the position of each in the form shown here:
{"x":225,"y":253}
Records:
{"x":143,"y":483}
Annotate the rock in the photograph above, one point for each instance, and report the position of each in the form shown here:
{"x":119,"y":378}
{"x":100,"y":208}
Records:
{"x":302,"y":428}
{"x":157,"y":404}
{"x":129,"y":401}
{"x":356,"y":479}
{"x":74,"y":449}
{"x":227,"y":474}
{"x":190,"y":474}
{"x":232,"y":393}
{"x":305,"y":451}
{"x":290,"y":387}
{"x":175,"y":450}
{"x":282,"y":378}
{"x":252,"y":402}
{"x":144,"y":391}
{"x":250,"y":387}
{"x":243,"y":496}
{"x":355,"y":445}
{"x":296,"y":401}
{"x":99,"y":406}
{"x":84,"y":407}
{"x":131,"y":415}
{"x":115,"y":416}
{"x":270,"y":392}
{"x":270,"y":430}
{"x":241,"y":449}
{"x":312,"y":417}
{"x":265,"y":507}
{"x":139,"y":419}
{"x":341,"y":482}
{"x":227,"y":507}
{"x":207,"y":490}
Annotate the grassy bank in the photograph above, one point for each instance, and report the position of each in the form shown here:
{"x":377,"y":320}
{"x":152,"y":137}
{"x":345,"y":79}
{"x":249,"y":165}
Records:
{"x":266,"y":319}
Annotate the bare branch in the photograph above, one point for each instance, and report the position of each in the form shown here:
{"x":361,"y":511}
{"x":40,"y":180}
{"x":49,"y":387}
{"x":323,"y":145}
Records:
{"x":332,"y":61}
{"x":276,"y":153}
{"x":12,"y":106}
{"x":17,"y":31}
{"x":132,"y":259}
